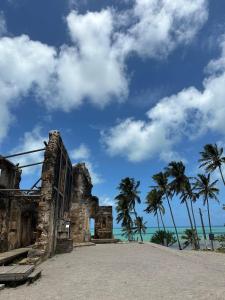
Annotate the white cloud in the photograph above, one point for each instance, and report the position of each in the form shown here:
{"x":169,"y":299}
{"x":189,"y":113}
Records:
{"x":24,"y":64}
{"x":30,"y":141}
{"x":92,"y":68}
{"x":160,"y":26}
{"x":188,"y":114}
{"x":83,"y":153}
{"x":105,"y":201}
{"x":95,"y":176}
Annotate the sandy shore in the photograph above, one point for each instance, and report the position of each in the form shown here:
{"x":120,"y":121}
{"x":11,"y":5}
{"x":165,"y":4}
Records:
{"x":127,"y":271}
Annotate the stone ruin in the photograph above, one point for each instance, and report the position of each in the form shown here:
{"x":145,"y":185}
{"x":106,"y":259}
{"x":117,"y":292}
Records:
{"x":55,"y":215}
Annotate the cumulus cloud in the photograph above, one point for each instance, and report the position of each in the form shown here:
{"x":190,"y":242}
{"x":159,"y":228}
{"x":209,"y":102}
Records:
{"x":93,"y":67}
{"x":83,"y":153}
{"x":188,"y":114}
{"x":163,"y":25}
{"x":30,"y":141}
{"x":24,"y":64}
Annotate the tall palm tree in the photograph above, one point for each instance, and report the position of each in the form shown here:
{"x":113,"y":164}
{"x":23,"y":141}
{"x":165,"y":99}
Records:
{"x":140,"y":227}
{"x":123,"y":216}
{"x":207,"y":190}
{"x":154,"y":201}
{"x":212,"y":158}
{"x":125,"y":203}
{"x":179,"y":184}
{"x":189,"y":194}
{"x":129,"y":191}
{"x":161,"y":179}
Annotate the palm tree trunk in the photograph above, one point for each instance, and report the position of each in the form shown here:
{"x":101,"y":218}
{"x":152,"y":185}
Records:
{"x":157,"y":219}
{"x":164,"y":228}
{"x":189,"y":215}
{"x":192,"y":227}
{"x":193,"y":216}
{"x":180,"y":248}
{"x":221,"y":175}
{"x":210,"y":227}
{"x":141,"y":236}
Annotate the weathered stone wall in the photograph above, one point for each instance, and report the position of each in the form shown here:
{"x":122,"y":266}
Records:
{"x":54,"y":207}
{"x":17,"y":214}
{"x":4,"y":222}
{"x":61,"y":211}
{"x":83,"y":204}
{"x":46,"y":239}
{"x":104,"y":223}
{"x":80,"y":228}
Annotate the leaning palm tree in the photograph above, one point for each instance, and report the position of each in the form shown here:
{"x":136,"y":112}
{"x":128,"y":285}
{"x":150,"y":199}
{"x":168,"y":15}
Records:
{"x":207,"y":190}
{"x":154,"y":202}
{"x":129,"y":192}
{"x":188,"y":194}
{"x":124,"y":216}
{"x":212,"y":158}
{"x":179,"y":183}
{"x":140,"y":227}
{"x":125,"y":203}
{"x":161,"y":179}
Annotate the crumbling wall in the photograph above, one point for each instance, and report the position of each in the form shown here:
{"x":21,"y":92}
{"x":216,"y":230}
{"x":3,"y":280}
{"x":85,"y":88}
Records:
{"x":54,"y":206}
{"x":17,"y":213}
{"x":104,"y":223}
{"x":83,"y":204}
{"x":4,"y":223}
{"x":60,"y":210}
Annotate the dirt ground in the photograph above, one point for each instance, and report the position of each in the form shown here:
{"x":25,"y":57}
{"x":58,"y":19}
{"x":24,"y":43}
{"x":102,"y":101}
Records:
{"x":127,"y":271}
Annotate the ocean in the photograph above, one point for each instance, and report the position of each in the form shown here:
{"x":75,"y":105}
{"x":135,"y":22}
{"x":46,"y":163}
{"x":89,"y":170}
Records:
{"x":217,"y":230}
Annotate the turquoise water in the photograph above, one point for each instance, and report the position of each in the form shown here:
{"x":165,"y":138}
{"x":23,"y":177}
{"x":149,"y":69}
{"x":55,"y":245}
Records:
{"x":217,"y":230}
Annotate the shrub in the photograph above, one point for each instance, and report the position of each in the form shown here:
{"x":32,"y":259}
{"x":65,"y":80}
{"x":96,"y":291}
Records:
{"x":221,"y":240}
{"x":165,"y":238}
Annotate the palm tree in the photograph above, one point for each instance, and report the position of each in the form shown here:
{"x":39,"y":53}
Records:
{"x":189,"y":238}
{"x":123,"y":216}
{"x":208,"y":190}
{"x":140,"y":227}
{"x":189,"y":194}
{"x":212,"y":158}
{"x":163,"y":238}
{"x":180,"y":182}
{"x":129,"y":192}
{"x":161,"y":180}
{"x":154,"y":201}
{"x":125,"y":203}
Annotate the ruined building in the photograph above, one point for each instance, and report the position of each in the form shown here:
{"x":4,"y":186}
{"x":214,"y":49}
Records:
{"x":55,"y":215}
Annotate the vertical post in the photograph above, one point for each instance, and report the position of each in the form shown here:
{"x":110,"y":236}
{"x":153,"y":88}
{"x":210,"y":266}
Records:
{"x":203,"y":228}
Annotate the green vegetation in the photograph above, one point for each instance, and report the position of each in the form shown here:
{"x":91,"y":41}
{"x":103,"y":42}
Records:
{"x":140,"y":227}
{"x":165,"y":238}
{"x":171,"y":182}
{"x":189,"y":238}
{"x":207,"y":190}
{"x":221,"y":240}
{"x":125,"y":206}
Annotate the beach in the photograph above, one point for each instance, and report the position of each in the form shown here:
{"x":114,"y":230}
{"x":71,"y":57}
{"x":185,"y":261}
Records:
{"x":127,"y":271}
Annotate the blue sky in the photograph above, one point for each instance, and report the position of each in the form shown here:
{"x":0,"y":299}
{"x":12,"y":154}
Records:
{"x":131,"y":85}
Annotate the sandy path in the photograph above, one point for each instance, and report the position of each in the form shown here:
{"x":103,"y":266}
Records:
{"x":125,"y":271}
